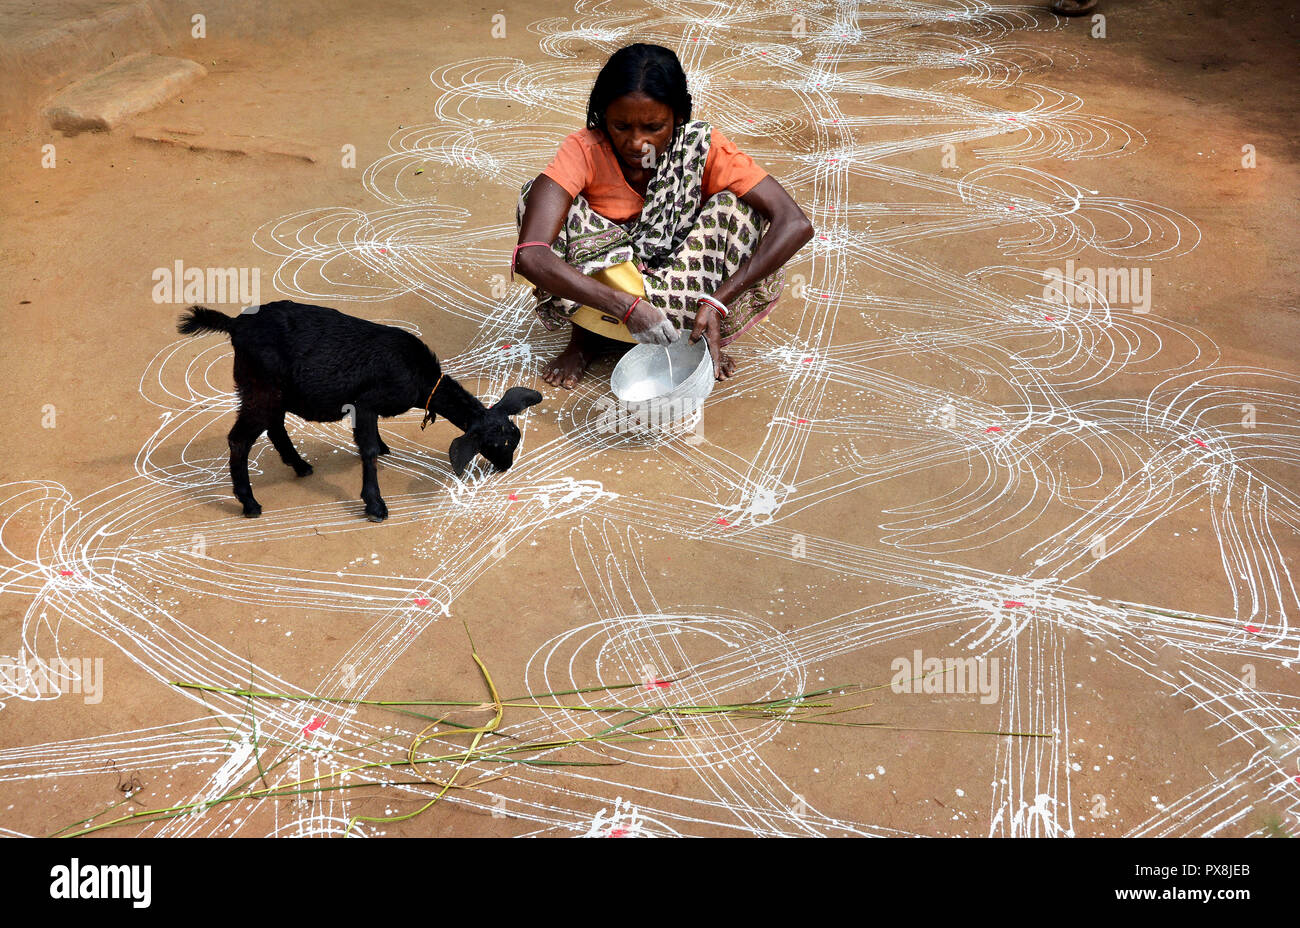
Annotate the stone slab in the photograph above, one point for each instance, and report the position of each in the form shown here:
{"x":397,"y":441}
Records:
{"x":133,"y":85}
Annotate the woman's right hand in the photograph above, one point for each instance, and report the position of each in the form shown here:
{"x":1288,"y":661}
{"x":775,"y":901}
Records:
{"x":648,"y":325}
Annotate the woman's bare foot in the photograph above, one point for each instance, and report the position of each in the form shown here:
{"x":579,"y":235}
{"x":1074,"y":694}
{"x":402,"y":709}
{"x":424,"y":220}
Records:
{"x":727,"y":363}
{"x":566,"y":368}
{"x":1073,"y":7}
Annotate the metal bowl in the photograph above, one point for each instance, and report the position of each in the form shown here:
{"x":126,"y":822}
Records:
{"x":679,"y":372}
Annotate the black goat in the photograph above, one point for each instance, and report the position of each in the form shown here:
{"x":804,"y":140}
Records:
{"x":321,"y":365}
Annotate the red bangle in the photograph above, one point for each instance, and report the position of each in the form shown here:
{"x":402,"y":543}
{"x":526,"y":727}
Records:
{"x":515,"y":255}
{"x":716,"y":304}
{"x":628,"y":315}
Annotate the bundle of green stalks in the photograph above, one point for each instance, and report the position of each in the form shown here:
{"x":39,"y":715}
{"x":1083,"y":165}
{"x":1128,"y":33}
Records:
{"x":411,"y":768}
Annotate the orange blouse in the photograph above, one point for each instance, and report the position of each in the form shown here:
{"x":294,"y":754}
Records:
{"x":586,"y":164}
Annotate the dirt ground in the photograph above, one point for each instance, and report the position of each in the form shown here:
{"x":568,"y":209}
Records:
{"x":923,"y":457}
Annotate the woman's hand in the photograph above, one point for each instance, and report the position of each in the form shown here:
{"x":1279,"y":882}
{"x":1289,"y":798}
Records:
{"x":706,"y":325}
{"x":648,"y":325}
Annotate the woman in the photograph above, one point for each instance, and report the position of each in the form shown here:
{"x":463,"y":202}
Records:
{"x":707,"y":229}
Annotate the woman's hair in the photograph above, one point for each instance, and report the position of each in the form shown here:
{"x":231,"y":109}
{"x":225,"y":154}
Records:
{"x":641,"y":68}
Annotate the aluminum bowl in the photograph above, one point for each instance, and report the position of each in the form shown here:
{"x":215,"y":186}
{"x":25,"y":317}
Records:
{"x":681,"y":372}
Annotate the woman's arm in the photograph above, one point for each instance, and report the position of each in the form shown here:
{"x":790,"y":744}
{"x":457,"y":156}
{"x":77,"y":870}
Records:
{"x":789,"y":229}
{"x":548,"y":204}
{"x":544,"y":214}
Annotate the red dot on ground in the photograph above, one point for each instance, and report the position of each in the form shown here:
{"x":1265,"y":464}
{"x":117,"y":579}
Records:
{"x":421,"y":601}
{"x":66,"y":573}
{"x":1050,"y":318}
{"x":722,"y":521}
{"x":1253,"y":629}
{"x":506,"y":345}
{"x":512,"y":497}
{"x":993,"y":428}
{"x":802,"y":421}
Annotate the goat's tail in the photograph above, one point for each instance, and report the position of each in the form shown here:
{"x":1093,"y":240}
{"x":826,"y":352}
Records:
{"x":201,"y":319}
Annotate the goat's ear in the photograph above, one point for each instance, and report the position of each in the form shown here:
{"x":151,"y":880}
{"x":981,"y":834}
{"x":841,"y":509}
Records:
{"x":461,"y":452}
{"x":516,"y":400}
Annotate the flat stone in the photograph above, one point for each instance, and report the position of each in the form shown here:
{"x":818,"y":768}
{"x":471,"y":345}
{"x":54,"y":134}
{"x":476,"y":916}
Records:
{"x":196,"y":139}
{"x":133,"y":85}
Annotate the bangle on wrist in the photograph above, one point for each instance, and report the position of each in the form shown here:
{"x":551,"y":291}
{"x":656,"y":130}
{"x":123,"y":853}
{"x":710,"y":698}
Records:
{"x":628,"y":314}
{"x":716,"y":304}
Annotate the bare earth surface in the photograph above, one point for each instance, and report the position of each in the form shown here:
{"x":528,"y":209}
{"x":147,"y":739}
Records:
{"x":924,"y":455}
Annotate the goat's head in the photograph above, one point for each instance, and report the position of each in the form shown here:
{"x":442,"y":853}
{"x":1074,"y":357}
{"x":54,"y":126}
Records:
{"x":494,"y":436}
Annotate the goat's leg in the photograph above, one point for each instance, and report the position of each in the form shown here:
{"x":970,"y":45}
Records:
{"x":246,"y":430}
{"x":383,"y":446}
{"x":366,"y":434}
{"x":283,"y":444}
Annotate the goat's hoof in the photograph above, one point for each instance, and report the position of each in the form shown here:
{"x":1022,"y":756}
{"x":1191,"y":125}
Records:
{"x":384,"y":449}
{"x":302,"y":470}
{"x":253,"y":510}
{"x":377,"y":512}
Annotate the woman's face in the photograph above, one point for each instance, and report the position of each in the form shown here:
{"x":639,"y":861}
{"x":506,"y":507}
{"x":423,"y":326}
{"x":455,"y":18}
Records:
{"x":636,"y":124}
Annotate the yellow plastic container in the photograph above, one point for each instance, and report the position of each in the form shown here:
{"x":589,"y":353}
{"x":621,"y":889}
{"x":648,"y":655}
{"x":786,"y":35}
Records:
{"x":623,"y":277}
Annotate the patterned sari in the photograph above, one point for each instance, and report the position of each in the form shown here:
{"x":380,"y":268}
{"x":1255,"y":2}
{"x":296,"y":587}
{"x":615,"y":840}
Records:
{"x":684,"y":248}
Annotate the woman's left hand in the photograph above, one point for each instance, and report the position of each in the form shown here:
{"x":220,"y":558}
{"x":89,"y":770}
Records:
{"x":706,"y":324}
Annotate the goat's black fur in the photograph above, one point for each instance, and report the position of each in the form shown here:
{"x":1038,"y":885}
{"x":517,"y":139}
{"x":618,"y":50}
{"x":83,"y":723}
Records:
{"x":315,"y":362}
